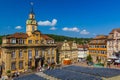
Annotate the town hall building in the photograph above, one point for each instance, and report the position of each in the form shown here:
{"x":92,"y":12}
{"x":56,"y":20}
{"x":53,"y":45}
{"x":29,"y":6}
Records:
{"x":21,"y":51}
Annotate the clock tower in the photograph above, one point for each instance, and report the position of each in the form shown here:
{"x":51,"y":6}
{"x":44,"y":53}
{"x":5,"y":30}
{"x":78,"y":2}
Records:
{"x":31,"y":23}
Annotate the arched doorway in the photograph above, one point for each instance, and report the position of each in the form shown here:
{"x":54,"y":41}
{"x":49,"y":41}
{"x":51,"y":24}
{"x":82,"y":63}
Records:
{"x":39,"y":62}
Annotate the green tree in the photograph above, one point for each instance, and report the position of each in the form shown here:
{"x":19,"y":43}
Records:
{"x":89,"y":58}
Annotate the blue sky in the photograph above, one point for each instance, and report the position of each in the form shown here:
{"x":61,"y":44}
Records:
{"x":75,"y":18}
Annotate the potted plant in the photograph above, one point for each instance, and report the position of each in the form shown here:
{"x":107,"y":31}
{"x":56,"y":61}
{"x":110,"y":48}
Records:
{"x":8,"y":73}
{"x":33,"y":68}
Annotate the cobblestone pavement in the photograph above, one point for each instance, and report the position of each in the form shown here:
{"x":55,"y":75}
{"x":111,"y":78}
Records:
{"x":85,"y":65}
{"x":112,"y":66}
{"x":41,"y":74}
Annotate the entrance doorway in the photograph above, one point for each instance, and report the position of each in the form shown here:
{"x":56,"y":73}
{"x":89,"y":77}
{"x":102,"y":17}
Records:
{"x":39,"y":62}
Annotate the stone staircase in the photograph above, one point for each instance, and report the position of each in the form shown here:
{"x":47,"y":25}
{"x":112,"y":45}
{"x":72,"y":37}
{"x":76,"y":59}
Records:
{"x":41,"y":74}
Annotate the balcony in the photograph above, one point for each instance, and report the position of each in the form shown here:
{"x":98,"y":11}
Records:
{"x":26,"y":45}
{"x":13,"y":45}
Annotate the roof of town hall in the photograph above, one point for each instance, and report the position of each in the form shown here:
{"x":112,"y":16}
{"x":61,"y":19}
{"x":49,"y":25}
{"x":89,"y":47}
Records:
{"x":18,"y":35}
{"x":46,"y":37}
{"x":24,"y":36}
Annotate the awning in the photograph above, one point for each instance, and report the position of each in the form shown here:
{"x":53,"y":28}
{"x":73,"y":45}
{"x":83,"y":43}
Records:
{"x":113,"y":57}
{"x":82,"y":56}
{"x":117,"y":61}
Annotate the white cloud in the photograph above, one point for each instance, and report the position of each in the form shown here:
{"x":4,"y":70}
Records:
{"x":53,"y":28}
{"x":54,"y":22}
{"x":84,"y":32}
{"x":74,"y":29}
{"x":18,"y":27}
{"x":48,"y":23}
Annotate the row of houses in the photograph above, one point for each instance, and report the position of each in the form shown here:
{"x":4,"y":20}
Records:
{"x":104,"y":47}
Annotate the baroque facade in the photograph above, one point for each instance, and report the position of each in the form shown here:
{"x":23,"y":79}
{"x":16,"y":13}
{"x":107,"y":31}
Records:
{"x":113,"y":42}
{"x":21,"y":51}
{"x":67,"y":50}
{"x":98,"y":48}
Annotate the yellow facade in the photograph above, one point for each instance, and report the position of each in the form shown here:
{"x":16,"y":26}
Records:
{"x":21,"y":51}
{"x":98,"y":48}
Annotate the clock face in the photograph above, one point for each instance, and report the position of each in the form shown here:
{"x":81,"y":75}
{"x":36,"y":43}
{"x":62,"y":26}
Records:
{"x":31,"y":22}
{"x":34,"y":22}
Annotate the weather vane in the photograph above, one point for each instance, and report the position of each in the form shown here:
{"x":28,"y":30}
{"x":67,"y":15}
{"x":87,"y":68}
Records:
{"x":31,"y":3}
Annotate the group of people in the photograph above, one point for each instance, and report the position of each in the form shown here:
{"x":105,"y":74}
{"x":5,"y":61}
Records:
{"x":48,"y":67}
{"x":15,"y":74}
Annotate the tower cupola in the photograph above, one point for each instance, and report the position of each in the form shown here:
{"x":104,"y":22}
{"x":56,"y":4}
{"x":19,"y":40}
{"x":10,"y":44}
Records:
{"x":31,"y":23}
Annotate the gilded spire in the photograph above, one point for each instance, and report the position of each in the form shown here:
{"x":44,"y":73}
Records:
{"x":31,"y":15}
{"x":31,"y":8}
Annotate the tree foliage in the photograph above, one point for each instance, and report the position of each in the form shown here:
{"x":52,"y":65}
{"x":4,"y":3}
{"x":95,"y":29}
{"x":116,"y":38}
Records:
{"x":59,"y":38}
{"x":89,"y":58}
{"x":1,"y":39}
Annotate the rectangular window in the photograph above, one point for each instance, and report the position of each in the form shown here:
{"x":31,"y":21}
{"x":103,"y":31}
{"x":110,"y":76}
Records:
{"x":43,"y":53}
{"x":29,"y":41}
{"x":48,"y":60}
{"x":13,"y":54}
{"x":52,"y":59}
{"x":52,"y":51}
{"x":48,"y":51}
{"x":21,"y":65}
{"x":20,"y":54}
{"x":29,"y":54}
{"x":36,"y":53}
{"x":21,"y":41}
{"x":13,"y":66}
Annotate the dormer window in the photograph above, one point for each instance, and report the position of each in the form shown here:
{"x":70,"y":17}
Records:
{"x":36,"y":41}
{"x":21,"y":41}
{"x":29,"y":41}
{"x":13,"y":40}
{"x":37,"y":35}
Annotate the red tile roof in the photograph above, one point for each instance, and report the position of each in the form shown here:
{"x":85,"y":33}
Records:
{"x":101,"y":37}
{"x":46,"y":37}
{"x":117,"y":29}
{"x":18,"y":35}
{"x":82,"y":46}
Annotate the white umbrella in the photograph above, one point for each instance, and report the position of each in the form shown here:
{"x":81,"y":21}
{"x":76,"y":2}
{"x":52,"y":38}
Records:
{"x":113,"y":57}
{"x":117,"y":61}
{"x":108,"y":60}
